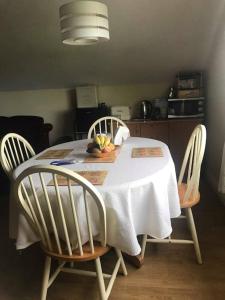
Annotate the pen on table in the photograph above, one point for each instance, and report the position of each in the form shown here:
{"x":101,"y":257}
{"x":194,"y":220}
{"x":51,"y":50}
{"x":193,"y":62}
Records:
{"x":64,"y":162}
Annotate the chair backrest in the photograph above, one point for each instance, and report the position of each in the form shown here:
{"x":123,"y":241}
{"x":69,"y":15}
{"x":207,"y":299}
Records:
{"x":14,"y":150}
{"x":107,"y":125}
{"x":193,"y":157}
{"x":64,"y":217}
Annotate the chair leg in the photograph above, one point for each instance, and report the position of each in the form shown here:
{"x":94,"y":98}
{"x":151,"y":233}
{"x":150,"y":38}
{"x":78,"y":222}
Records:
{"x":143,"y":245}
{"x":45,"y":279}
{"x":194,"y":234}
{"x":187,"y":218}
{"x":119,"y":254}
{"x":101,"y":282}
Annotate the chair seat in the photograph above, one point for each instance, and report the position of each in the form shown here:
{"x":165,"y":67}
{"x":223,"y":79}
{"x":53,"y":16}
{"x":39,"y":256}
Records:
{"x":87,"y":255}
{"x":193,"y":199}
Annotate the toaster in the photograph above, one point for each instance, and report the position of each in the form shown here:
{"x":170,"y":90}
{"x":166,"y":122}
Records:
{"x":121,"y":112}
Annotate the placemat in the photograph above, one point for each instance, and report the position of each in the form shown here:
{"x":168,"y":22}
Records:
{"x":54,"y":154}
{"x":106,"y":159}
{"x":146,"y":152}
{"x":95,"y":177}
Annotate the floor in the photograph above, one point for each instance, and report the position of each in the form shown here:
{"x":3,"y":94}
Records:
{"x":169,"y":271}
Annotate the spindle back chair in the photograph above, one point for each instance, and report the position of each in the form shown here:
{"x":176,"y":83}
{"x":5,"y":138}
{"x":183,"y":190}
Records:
{"x":14,"y":150}
{"x":68,"y":214}
{"x":188,"y":189}
{"x":105,"y":125}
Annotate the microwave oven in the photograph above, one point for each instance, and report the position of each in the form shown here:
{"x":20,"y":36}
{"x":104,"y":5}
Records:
{"x":186,"y":108}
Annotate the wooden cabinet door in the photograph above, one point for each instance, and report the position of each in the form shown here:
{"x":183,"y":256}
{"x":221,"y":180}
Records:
{"x":134,"y":129}
{"x":179,"y":134}
{"x":155,"y":130}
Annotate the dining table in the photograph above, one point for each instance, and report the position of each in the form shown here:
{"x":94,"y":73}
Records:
{"x":139,"y":192}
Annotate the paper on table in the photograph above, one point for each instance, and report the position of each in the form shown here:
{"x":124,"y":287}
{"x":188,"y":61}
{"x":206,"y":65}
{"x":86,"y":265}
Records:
{"x":121,"y":135}
{"x":147,"y":152}
{"x":54,"y":154}
{"x":95,"y":177}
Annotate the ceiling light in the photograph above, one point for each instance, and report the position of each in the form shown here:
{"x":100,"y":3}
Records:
{"x":84,"y":22}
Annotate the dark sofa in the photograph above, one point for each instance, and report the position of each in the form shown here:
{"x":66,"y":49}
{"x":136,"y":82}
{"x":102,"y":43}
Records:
{"x":32,"y":128}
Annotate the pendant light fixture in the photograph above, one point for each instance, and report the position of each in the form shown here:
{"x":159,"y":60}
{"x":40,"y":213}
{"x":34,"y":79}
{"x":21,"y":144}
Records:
{"x":84,"y":22}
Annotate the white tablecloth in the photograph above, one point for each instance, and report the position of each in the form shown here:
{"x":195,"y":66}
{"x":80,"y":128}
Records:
{"x":140,"y":194}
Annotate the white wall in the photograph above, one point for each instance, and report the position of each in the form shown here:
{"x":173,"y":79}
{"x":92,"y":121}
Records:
{"x":57,"y":106}
{"x":216,"y":108}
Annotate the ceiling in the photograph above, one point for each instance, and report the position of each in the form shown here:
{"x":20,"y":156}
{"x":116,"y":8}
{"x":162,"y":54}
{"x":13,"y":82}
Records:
{"x":150,"y":41}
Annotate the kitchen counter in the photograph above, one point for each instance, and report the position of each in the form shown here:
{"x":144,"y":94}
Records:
{"x":137,"y":120}
{"x":145,"y":121}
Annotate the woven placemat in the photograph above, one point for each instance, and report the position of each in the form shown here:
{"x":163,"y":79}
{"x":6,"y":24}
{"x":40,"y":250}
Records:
{"x":95,"y":177}
{"x":54,"y":154}
{"x":146,"y":152}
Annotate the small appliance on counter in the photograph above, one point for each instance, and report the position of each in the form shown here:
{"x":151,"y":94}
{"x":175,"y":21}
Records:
{"x":146,"y":109}
{"x":121,"y":112}
{"x":186,"y":108}
{"x":188,"y":101}
{"x":160,"y":106}
{"x":154,"y":109}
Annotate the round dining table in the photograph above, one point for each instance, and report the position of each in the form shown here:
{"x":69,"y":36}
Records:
{"x":140,"y":193}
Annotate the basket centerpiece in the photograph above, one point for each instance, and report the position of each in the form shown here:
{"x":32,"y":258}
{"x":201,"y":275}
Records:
{"x":101,"y":146}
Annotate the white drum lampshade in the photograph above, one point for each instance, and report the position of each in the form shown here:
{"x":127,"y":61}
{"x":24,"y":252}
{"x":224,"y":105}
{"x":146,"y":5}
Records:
{"x":84,"y":22}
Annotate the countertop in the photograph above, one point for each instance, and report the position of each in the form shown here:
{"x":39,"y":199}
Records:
{"x":162,"y":120}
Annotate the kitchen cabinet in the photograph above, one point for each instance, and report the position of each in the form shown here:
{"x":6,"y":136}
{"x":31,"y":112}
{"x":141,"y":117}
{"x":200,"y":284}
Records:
{"x":155,"y":130}
{"x":174,"y":132}
{"x":135,"y":128}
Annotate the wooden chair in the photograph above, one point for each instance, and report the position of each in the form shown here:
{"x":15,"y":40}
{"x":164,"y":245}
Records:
{"x":14,"y":150}
{"x":188,"y":189}
{"x":107,"y":125}
{"x":57,"y":219}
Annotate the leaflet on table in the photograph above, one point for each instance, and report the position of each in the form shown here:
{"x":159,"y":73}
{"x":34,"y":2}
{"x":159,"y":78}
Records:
{"x":122,"y":133}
